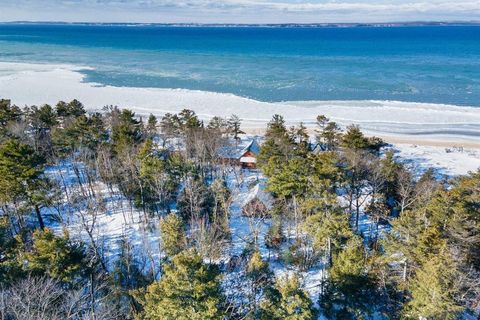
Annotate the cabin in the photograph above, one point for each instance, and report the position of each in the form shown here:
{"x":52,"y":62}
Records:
{"x":241,"y":153}
{"x":258,"y":202}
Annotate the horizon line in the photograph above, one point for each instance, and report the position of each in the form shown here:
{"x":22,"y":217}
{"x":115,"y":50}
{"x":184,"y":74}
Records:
{"x":292,"y":24}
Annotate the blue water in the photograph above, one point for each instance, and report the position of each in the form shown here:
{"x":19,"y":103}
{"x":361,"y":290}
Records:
{"x":439,"y":64}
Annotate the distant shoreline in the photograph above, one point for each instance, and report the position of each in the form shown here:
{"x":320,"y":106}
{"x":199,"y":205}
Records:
{"x":256,"y":25}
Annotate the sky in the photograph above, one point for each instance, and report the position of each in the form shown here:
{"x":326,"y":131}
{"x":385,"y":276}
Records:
{"x":239,"y":11}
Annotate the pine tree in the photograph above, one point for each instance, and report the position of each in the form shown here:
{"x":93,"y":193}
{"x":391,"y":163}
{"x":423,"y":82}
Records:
{"x":72,"y":109}
{"x":350,"y":293}
{"x":188,"y":290}
{"x":126,"y":130}
{"x":328,"y":232}
{"x":173,"y":235}
{"x":152,"y":124}
{"x":328,"y":133}
{"x":196,"y":201}
{"x":291,"y":182}
{"x":354,"y":139}
{"x":8,"y":114}
{"x":278,"y":144}
{"x":125,"y":278}
{"x":55,"y":256}
{"x":260,"y":281}
{"x":10,"y":260}
{"x":234,"y":123}
{"x":218,"y":124}
{"x":20,"y":175}
{"x":288,"y":301}
{"x":433,"y":291}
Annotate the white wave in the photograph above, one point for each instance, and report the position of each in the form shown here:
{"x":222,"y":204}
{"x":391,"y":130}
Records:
{"x":28,"y":84}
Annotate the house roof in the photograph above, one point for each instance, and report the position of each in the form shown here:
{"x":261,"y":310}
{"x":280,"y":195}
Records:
{"x":259,"y":192}
{"x":238,"y":148}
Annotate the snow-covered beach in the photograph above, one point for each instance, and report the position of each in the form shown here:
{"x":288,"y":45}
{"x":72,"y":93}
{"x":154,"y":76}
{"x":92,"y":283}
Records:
{"x":435,"y":135}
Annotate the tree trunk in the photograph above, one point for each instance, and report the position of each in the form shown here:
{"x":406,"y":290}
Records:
{"x":39,"y":217}
{"x":329,"y":250}
{"x":92,"y":296}
{"x":296,"y":215}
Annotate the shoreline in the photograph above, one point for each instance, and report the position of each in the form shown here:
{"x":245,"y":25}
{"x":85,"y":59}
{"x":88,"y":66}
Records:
{"x":396,"y":122}
{"x":447,"y":142}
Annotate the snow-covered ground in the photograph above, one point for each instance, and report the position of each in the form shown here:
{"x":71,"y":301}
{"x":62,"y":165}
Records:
{"x":106,"y":215}
{"x":450,"y":161}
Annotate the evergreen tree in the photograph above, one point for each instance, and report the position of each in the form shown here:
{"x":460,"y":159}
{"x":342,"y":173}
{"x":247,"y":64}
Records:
{"x":10,"y":259}
{"x":72,"y":109}
{"x":126,"y":130}
{"x":152,"y":124}
{"x":188,"y":120}
{"x":125,"y":278}
{"x":278,"y":143}
{"x":218,"y":125}
{"x":328,"y":232}
{"x":8,"y":114}
{"x":84,"y":132}
{"x":20,"y":174}
{"x":260,"y":281}
{"x":328,"y":133}
{"x":173,"y":235}
{"x":354,"y":139}
{"x":188,"y":290}
{"x":196,"y":201}
{"x":350,"y":293}
{"x":291,"y":182}
{"x":234,"y":124}
{"x":433,"y":291}
{"x":288,"y":301}
{"x":58,"y":257}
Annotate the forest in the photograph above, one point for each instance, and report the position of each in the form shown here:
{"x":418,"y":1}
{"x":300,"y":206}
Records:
{"x":109,"y":215}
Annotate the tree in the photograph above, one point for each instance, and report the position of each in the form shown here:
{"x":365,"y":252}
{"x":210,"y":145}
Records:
{"x":10,"y":262}
{"x":433,"y":290}
{"x":72,"y":109}
{"x":173,"y":235}
{"x":354,"y":139}
{"x":218,"y":125}
{"x":126,"y":130}
{"x":328,"y":231}
{"x":188,"y":290}
{"x":152,"y":124}
{"x":278,"y":143}
{"x":328,"y":133}
{"x":234,"y":123}
{"x":259,"y":280}
{"x":126,"y":277}
{"x":8,"y":114}
{"x":196,"y":200}
{"x":290,"y":182}
{"x":84,"y":133}
{"x":55,"y":256}
{"x":20,"y":174}
{"x":288,"y":301}
{"x":350,"y":293}
{"x":188,"y":120}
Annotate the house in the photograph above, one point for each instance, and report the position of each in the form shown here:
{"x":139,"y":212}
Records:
{"x":258,"y":202}
{"x":241,"y":153}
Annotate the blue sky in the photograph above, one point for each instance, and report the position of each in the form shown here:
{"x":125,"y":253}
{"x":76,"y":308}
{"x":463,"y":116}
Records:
{"x":240,"y":11}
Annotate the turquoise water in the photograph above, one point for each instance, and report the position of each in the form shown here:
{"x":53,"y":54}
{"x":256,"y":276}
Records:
{"x":438,"y":64}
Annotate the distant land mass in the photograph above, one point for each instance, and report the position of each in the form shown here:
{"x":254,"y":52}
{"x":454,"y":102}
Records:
{"x":266,"y":25}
